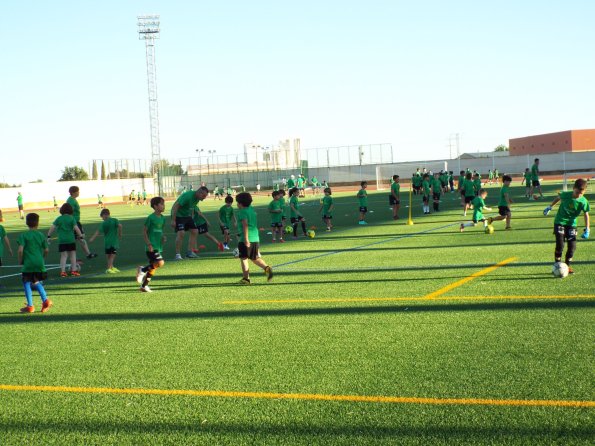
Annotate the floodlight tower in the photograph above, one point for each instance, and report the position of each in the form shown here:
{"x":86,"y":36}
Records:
{"x":148,"y":30}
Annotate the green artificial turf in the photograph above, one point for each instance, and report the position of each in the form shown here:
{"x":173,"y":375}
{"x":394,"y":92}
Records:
{"x":199,"y":330}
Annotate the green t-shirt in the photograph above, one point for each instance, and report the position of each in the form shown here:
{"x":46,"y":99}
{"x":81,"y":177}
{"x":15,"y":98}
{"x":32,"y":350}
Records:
{"x":187,"y":201}
{"x":109,"y":228}
{"x":294,"y":203}
{"x":469,"y":188}
{"x":436,"y":186}
{"x":314,"y":181}
{"x":249,"y":215}
{"x":2,"y":235}
{"x":426,"y":185}
{"x":327,"y":202}
{"x":300,"y":182}
{"x":226,"y":215}
{"x":416,"y":180}
{"x":490,"y":175}
{"x":290,"y":183}
{"x":275,"y":205}
{"x":76,"y":209}
{"x":362,"y":196}
{"x":461,"y":182}
{"x":528,"y":176}
{"x":570,"y":208}
{"x":478,"y":205}
{"x":535,"y":172}
{"x":154,"y":224}
{"x":503,"y":192}
{"x":65,"y":227}
{"x":34,"y":244}
{"x":395,"y":189}
{"x":444,"y":178}
{"x":199,"y":220}
{"x":19,"y":200}
{"x":477,"y":184}
{"x":283,"y":202}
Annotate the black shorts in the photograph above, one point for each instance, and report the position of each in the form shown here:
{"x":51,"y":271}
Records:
{"x":34,"y":277}
{"x":80,"y":226}
{"x":276,"y":225}
{"x":185,"y":224}
{"x":65,"y":247}
{"x":328,"y":217}
{"x":469,"y":199}
{"x":535,"y":183}
{"x":251,"y":253}
{"x":202,"y":229}
{"x":392,"y":200}
{"x":462,"y":192}
{"x":504,"y":211}
{"x":20,"y":207}
{"x":224,"y":229}
{"x":297,"y":219}
{"x":425,"y":199}
{"x":477,"y":221}
{"x":363,"y":209}
{"x":111,"y":250}
{"x":154,"y":256}
{"x":569,"y":232}
{"x":436,"y":197}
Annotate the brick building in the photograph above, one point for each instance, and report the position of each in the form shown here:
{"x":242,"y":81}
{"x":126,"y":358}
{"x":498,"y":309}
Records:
{"x":568,"y":141}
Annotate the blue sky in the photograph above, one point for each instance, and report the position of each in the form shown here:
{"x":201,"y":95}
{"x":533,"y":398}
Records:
{"x":73,"y":76}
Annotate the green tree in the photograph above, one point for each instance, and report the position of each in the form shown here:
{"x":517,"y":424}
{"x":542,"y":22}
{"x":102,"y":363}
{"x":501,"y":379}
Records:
{"x":94,"y":170}
{"x":73,"y":173}
{"x":501,"y":148}
{"x":102,"y":170}
{"x":169,"y":169}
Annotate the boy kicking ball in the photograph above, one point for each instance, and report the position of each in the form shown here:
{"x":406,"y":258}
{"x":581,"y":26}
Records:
{"x":478,"y":207}
{"x":154,"y":239}
{"x":249,"y":239}
{"x":571,"y":206}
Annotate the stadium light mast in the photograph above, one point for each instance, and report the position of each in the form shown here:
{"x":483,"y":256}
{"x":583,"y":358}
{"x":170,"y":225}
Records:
{"x":148,"y":30}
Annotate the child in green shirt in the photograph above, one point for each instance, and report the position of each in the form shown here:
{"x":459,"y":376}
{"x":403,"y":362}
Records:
{"x":326,"y":207}
{"x":154,"y":240}
{"x":468,"y":192}
{"x":478,"y":207}
{"x":425,"y":199}
{"x":436,"y":191}
{"x":249,"y":243}
{"x":527,"y":180}
{"x":226,"y":217}
{"x":295,"y":214}
{"x":4,"y":241}
{"x":394,"y":199}
{"x":33,"y":248}
{"x":504,"y":203}
{"x":362,"y":196}
{"x":112,"y":231}
{"x":276,"y":217}
{"x":67,"y":228}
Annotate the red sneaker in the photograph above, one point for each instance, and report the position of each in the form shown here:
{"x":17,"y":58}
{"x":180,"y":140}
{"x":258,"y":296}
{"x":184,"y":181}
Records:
{"x":220,"y":246}
{"x":46,"y":305}
{"x":63,"y":274}
{"x":75,"y":273}
{"x":28,"y":309}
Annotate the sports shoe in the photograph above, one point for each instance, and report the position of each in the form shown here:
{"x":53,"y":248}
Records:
{"x":508,"y":228}
{"x":328,"y":229}
{"x":28,"y":309}
{"x":220,"y":246}
{"x":140,"y":275}
{"x":362,"y":222}
{"x":490,"y":220}
{"x":281,"y":240}
{"x":191,"y":255}
{"x":115,"y":270}
{"x":194,"y":250}
{"x":63,"y":274}
{"x":244,"y":281}
{"x":92,"y":255}
{"x":46,"y":305}
{"x":75,"y":274}
{"x":226,"y":246}
{"x":570,"y":270}
{"x":268,"y":271}
{"x":146,"y":289}
{"x":462,"y":227}
{"x":273,"y":241}
{"x":178,"y":257}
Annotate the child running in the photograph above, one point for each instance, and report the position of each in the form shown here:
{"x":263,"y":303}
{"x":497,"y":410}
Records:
{"x":295,"y":214}
{"x":4,"y":241}
{"x":276,"y":217}
{"x":154,"y":239}
{"x":112,"y":232}
{"x":478,"y":207}
{"x":362,"y":196}
{"x":504,"y":203}
{"x":327,"y":207}
{"x":468,"y":192}
{"x":571,"y":206}
{"x":33,"y":248}
{"x":67,"y":229}
{"x":226,"y":217}
{"x":394,"y":198}
{"x":248,"y":245}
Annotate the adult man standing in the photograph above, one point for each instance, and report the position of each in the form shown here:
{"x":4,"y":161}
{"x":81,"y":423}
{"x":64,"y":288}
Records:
{"x":182,"y":221}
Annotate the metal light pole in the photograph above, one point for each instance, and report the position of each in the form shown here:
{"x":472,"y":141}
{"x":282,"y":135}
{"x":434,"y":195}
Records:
{"x":199,"y":151}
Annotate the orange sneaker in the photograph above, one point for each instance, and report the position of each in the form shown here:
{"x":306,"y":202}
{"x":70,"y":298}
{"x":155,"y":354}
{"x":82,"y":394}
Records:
{"x":75,"y":273}
{"x":46,"y":305}
{"x":28,"y":309}
{"x":63,"y":274}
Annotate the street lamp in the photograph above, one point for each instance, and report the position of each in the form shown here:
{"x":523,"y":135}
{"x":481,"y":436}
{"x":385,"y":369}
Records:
{"x":212,"y":155}
{"x":199,"y":151}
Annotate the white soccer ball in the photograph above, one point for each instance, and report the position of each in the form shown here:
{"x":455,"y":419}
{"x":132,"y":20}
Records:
{"x":236,"y":253}
{"x":560,"y":270}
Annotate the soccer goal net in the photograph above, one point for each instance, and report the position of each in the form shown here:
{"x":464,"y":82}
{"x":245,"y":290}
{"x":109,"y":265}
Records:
{"x":385,"y":172}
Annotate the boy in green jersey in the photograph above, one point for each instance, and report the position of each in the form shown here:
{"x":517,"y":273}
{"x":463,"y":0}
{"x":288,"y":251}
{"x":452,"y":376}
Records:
{"x":181,"y":219}
{"x":55,"y":204}
{"x":476,"y":183}
{"x":248,"y":245}
{"x":154,"y":240}
{"x":283,"y":205}
{"x":291,"y":182}
{"x":394,"y":199}
{"x":425,"y":199}
{"x":535,"y":184}
{"x":4,"y":241}
{"x":76,"y":213}
{"x":144,"y":197}
{"x":226,"y":217}
{"x":468,"y":192}
{"x":460,"y":187}
{"x":202,"y":225}
{"x":20,"y":205}
{"x":490,"y":176}
{"x":478,"y":207}
{"x":33,"y":248}
{"x":437,"y":186}
{"x":112,"y":232}
{"x":326,"y":207}
{"x":276,"y":217}
{"x":295,"y":214}
{"x":301,"y":185}
{"x":527,"y":180}
{"x":497,"y":176}
{"x":362,"y":196}
{"x":67,"y":230}
{"x":571,"y":205}
{"x":504,"y":203}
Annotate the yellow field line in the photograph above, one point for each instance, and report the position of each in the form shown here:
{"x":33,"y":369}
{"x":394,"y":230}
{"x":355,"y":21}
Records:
{"x":458,"y":283}
{"x":302,"y":396}
{"x":391,"y":299}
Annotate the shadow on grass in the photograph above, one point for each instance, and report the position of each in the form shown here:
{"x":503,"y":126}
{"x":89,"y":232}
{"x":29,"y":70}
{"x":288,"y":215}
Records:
{"x":412,"y":307}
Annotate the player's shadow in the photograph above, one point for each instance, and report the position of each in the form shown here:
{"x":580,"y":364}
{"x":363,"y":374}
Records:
{"x":396,"y":309}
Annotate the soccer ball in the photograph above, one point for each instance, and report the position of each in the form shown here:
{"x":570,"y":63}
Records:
{"x":236,"y":253}
{"x":311,"y":234}
{"x":288,"y":229}
{"x":560,"y":270}
{"x":489,"y":229}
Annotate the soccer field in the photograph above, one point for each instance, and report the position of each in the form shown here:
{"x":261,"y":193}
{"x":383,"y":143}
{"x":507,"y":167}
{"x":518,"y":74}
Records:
{"x":378,"y":334}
